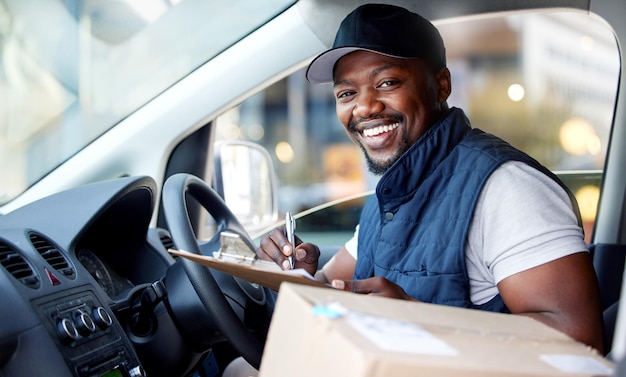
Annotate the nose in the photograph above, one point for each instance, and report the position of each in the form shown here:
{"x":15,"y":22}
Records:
{"x":367,"y":104}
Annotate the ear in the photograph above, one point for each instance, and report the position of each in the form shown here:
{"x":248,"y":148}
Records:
{"x":442,"y":77}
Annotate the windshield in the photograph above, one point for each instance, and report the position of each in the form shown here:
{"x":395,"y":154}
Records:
{"x":70,"y":70}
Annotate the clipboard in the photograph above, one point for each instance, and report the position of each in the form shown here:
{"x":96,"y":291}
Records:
{"x":236,"y":259}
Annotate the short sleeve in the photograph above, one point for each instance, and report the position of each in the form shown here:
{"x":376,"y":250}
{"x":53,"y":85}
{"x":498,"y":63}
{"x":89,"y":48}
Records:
{"x":353,"y":243}
{"x":523,"y":219}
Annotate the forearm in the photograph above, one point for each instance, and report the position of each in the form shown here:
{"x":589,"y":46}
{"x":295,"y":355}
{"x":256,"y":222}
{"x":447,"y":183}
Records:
{"x":562,"y":294}
{"x":577,"y":328}
{"x":340,"y":266}
{"x":321,"y":276}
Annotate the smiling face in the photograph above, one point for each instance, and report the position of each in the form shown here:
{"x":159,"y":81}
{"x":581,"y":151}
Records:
{"x":386,"y":104}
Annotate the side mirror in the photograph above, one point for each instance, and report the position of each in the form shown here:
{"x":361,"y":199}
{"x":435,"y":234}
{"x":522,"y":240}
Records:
{"x":245,"y":178}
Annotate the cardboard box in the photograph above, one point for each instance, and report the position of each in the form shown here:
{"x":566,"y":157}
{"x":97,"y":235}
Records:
{"x":321,"y":332}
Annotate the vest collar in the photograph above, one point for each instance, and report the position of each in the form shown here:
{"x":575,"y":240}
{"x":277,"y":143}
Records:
{"x":417,"y":163}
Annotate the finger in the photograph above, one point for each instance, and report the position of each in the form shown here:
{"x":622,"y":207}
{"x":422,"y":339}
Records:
{"x":353,"y":286}
{"x":339,"y":284}
{"x":279,"y":236}
{"x":308,"y":253}
{"x":272,"y":247}
{"x":377,"y":286}
{"x":307,"y":256}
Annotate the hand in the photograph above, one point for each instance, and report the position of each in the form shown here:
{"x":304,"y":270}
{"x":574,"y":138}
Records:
{"x":377,"y":286}
{"x":275,"y":246}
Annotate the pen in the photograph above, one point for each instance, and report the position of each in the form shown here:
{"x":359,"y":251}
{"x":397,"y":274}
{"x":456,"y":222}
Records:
{"x":290,"y":226}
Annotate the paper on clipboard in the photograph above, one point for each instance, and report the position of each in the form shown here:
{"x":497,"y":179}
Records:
{"x":265,"y":273}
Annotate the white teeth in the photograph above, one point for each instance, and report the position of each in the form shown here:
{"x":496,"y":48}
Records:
{"x":380,"y":129}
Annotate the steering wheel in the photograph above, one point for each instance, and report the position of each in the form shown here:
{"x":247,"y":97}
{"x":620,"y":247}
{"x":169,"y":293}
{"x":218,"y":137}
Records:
{"x":227,"y":321}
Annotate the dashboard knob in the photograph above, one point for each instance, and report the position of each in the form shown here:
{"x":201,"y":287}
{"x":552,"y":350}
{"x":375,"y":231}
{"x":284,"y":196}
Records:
{"x":137,"y":372}
{"x":66,"y":330}
{"x":84,"y":323}
{"x":101,"y":317}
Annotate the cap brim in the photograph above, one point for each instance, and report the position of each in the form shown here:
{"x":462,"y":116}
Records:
{"x":321,"y":68}
{"x":320,"y":71}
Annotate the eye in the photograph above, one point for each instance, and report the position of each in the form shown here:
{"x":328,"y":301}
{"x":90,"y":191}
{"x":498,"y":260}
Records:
{"x":388,"y":83}
{"x":344,"y":94}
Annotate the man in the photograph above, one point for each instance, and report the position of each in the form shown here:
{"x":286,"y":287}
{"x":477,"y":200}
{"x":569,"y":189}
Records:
{"x":459,"y":217}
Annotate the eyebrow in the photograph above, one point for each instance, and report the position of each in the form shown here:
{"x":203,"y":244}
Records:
{"x":374,"y":72}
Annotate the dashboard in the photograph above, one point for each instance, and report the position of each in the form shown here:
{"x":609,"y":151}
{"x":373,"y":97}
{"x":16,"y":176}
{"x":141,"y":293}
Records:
{"x":73,"y":270}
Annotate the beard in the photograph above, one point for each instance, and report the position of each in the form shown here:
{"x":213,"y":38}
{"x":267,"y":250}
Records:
{"x":380,"y":166}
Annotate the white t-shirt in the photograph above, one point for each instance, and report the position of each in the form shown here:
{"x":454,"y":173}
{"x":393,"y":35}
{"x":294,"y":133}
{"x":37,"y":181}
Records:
{"x":522,"y":219}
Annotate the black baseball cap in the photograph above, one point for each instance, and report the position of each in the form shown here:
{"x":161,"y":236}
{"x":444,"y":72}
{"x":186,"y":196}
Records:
{"x":381,"y":28}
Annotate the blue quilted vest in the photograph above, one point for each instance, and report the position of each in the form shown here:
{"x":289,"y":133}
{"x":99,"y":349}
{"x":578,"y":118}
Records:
{"x":414,"y":231}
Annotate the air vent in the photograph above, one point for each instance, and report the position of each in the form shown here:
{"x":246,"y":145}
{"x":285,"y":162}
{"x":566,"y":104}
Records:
{"x":166,"y":240}
{"x":52,"y":255}
{"x":17,"y":266}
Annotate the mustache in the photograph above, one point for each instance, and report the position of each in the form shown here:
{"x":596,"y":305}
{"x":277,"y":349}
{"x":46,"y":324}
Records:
{"x":353,"y":125}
